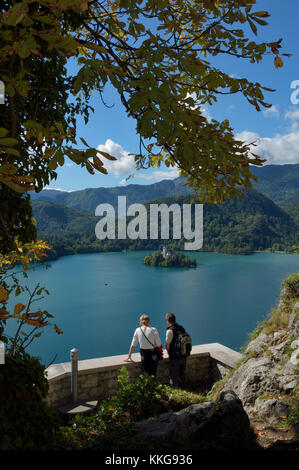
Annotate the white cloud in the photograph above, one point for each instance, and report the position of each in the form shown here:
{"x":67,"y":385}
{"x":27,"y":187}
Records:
{"x":160,"y":175}
{"x":204,"y":109}
{"x":292,"y":114}
{"x":154,"y":176}
{"x":271,"y":112}
{"x":294,"y":127}
{"x":58,"y":189}
{"x":277,"y":150}
{"x":124,"y":163}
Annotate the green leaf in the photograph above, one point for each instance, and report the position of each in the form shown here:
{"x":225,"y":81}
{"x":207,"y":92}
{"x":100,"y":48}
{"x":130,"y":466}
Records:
{"x":8,"y":169}
{"x":59,"y":127}
{"x":29,"y":124}
{"x":89,"y":168}
{"x":10,"y":89}
{"x":12,"y":151}
{"x":49,"y":153}
{"x":84,"y":142}
{"x":107,"y":155}
{"x":52,"y":164}
{"x":98,"y":164}
{"x":3,"y":132}
{"x":59,"y":157}
{"x":261,"y":22}
{"x":45,"y":19}
{"x":8,"y":141}
{"x":261,"y":14}
{"x":252,"y":26}
{"x":15,"y":14}
{"x":17,"y":291}
{"x":26,"y":47}
{"x":22,"y":88}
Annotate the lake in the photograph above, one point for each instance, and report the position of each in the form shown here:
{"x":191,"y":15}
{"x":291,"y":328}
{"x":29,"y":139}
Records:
{"x":97,"y":299}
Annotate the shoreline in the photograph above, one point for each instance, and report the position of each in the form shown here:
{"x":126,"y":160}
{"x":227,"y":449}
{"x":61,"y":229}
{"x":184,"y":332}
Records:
{"x":179,"y":251}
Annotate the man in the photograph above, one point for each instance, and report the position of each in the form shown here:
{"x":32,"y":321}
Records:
{"x":177,"y":363}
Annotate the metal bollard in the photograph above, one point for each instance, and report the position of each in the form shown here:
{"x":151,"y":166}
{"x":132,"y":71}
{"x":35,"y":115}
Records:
{"x":74,"y":375}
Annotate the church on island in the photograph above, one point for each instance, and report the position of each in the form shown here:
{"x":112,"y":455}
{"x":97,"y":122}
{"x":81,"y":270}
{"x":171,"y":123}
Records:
{"x":166,"y":253}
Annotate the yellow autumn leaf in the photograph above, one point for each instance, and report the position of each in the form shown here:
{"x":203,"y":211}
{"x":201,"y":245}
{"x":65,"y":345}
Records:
{"x":37,"y":323}
{"x":278,"y":62}
{"x":3,"y":294}
{"x":58,"y":330}
{"x":4,"y":314}
{"x":18,"y":308}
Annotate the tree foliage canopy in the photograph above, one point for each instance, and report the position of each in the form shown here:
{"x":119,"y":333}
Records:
{"x":158,"y":55}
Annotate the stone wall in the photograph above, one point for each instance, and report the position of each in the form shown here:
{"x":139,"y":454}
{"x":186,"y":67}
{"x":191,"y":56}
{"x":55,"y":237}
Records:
{"x":97,"y":378}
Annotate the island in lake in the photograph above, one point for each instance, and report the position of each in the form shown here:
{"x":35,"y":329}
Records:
{"x":169,"y":259}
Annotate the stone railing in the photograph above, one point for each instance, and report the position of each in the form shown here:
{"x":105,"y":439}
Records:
{"x":97,"y":378}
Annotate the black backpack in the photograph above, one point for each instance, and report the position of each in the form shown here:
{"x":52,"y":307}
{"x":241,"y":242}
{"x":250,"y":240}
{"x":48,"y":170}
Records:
{"x":182,"y":345}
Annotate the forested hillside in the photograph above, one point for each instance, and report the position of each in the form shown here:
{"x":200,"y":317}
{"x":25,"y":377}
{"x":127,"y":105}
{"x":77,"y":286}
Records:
{"x":237,"y":226}
{"x":278,"y":182}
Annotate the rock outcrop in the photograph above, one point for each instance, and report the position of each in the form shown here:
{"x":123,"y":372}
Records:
{"x":267,"y":380}
{"x":219,"y":425}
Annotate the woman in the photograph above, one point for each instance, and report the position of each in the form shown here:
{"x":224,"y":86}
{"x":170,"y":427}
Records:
{"x":148,"y":338}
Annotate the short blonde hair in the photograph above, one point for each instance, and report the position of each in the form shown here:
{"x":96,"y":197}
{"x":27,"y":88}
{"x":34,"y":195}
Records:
{"x":144,"y":319}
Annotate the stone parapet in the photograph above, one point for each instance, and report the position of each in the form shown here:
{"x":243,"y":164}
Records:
{"x":97,"y":378}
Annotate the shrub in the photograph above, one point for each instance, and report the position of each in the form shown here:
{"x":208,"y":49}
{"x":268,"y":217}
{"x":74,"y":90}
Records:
{"x":111,"y":426}
{"x":278,"y":320}
{"x":141,"y":399}
{"x":26,"y":421}
{"x":291,"y":285}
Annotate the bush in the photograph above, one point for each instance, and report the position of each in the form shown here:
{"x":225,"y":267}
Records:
{"x":111,"y":426}
{"x":141,"y":399}
{"x":26,"y":421}
{"x":291,"y":285}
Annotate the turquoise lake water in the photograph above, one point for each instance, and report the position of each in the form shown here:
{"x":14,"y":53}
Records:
{"x":222,"y":300}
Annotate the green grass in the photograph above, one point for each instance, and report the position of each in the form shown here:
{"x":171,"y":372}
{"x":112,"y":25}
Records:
{"x":179,"y":399}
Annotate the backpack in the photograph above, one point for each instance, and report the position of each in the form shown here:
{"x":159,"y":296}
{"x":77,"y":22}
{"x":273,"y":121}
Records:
{"x":182,"y":344}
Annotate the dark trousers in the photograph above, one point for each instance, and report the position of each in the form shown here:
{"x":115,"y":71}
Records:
{"x":149,"y":362}
{"x":177,"y":372}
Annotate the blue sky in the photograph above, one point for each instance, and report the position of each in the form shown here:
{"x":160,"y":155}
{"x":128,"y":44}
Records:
{"x":276,"y":130}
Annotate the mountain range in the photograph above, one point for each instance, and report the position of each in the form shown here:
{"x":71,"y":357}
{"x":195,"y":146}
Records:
{"x":236,"y":226}
{"x":67,"y":221}
{"x":277,"y":182}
